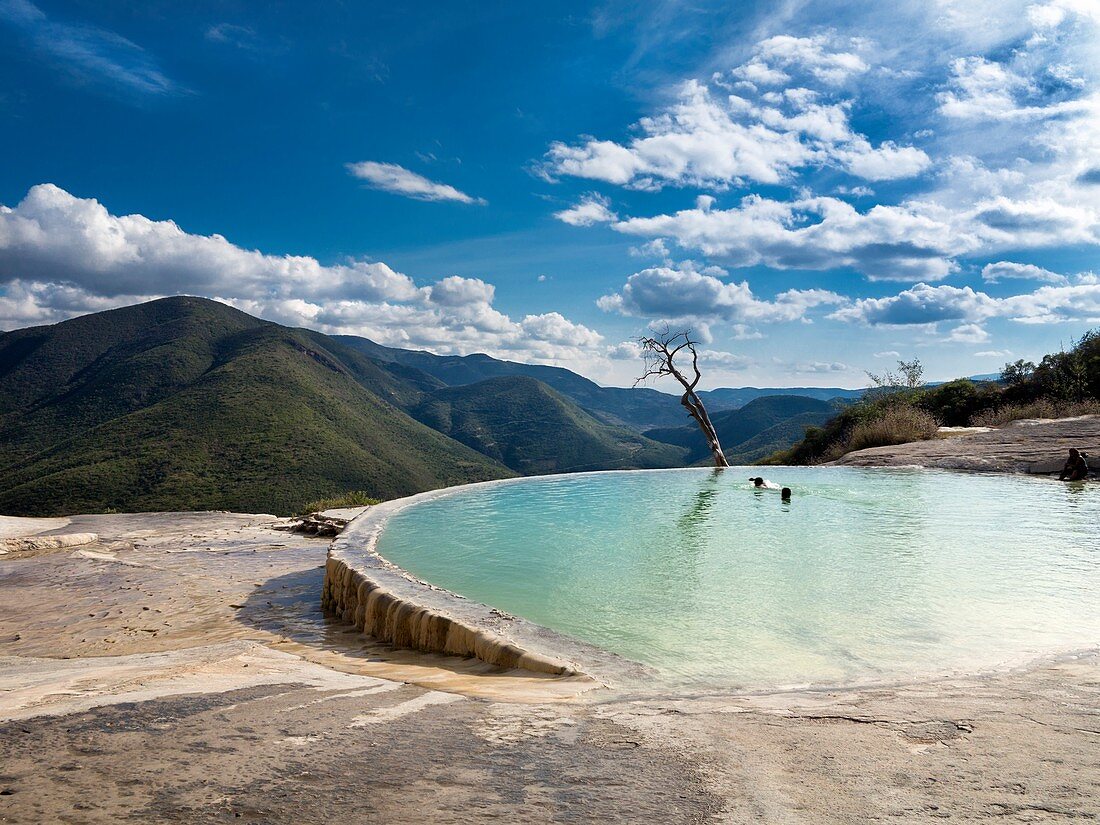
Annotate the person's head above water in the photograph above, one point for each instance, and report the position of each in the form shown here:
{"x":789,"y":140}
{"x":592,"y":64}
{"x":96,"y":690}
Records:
{"x":758,"y":481}
{"x":785,"y":494}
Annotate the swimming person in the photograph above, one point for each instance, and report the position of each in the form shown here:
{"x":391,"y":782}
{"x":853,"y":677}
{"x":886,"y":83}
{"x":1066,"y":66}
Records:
{"x":1076,"y":468}
{"x":785,"y":495}
{"x":763,"y":484}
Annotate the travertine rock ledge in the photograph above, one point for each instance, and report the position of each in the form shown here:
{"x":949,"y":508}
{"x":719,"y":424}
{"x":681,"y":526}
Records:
{"x":1022,"y":447}
{"x":27,"y":544}
{"x":385,"y":602}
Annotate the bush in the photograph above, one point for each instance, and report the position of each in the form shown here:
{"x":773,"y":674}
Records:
{"x":875,"y":422}
{"x":955,"y":403}
{"x":1040,"y":408}
{"x":1069,"y":376}
{"x":898,"y":424}
{"x":353,"y":498}
{"x":900,"y":408}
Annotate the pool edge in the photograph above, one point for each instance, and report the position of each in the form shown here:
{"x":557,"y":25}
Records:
{"x":383,"y":601}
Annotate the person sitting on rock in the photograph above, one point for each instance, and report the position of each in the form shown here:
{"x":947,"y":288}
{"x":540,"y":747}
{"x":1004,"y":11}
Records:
{"x":1076,"y":468}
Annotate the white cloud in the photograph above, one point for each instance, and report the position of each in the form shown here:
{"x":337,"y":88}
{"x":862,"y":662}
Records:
{"x":62,"y":256}
{"x":890,"y":353}
{"x":775,"y":59}
{"x":929,"y":305}
{"x":993,"y":353}
{"x":624,"y":351}
{"x":968,"y":334}
{"x":884,"y":242}
{"x":714,"y":140}
{"x":920,"y":304}
{"x":856,"y":191}
{"x":726,"y":361}
{"x":918,"y":239}
{"x":389,"y":177}
{"x":686,"y":294}
{"x":591,"y":209}
{"x":813,"y":367}
{"x":981,"y":88}
{"x":657,"y":248}
{"x":1012,"y":123}
{"x":888,"y":162}
{"x":455,"y":291}
{"x":1007,"y":270}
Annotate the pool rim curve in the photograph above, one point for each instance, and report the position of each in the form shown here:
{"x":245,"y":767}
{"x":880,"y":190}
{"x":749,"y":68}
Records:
{"x":510,"y":641}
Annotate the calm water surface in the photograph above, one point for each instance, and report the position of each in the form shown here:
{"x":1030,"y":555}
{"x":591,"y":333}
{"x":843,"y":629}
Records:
{"x":868,"y":575}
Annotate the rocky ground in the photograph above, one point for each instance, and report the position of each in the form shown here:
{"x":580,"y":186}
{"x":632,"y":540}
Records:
{"x":1038,"y":445}
{"x":178,"y":670}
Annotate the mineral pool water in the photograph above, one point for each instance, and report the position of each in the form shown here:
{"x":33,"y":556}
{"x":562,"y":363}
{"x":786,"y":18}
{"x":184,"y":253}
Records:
{"x":865,"y":576}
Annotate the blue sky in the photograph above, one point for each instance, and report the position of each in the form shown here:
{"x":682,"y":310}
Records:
{"x":817,"y":188}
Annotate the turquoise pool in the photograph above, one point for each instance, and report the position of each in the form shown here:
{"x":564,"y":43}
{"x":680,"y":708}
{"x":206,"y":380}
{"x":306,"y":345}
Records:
{"x":866,"y":576}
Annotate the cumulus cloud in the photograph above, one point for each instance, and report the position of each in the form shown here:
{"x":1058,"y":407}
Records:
{"x":722,"y":360}
{"x":716,"y":140}
{"x":813,"y":367}
{"x":1012,"y":94}
{"x":884,"y":242}
{"x":1007,"y":270}
{"x":968,"y":334}
{"x":928,"y":305}
{"x":918,"y":239}
{"x":624,"y":351}
{"x":390,"y":177}
{"x":591,"y":209}
{"x":686,"y":294}
{"x":775,"y":59}
{"x":983,"y":89}
{"x":61,"y":256}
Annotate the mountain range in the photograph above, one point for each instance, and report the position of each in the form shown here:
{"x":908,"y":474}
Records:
{"x":186,"y":403}
{"x":756,"y":430}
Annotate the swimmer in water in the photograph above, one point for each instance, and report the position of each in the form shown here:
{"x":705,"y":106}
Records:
{"x":785,"y":495}
{"x":763,"y":484}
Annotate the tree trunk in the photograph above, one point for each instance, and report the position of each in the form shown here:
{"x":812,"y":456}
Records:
{"x":694,"y":405}
{"x":660,"y":353}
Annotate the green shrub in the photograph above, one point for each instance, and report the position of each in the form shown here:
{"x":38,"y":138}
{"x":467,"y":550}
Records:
{"x":353,"y":498}
{"x":898,"y":424}
{"x":1040,"y":408}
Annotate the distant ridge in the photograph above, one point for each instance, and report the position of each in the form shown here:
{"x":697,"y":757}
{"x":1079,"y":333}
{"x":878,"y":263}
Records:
{"x":750,"y":433}
{"x":186,"y":403}
{"x":530,"y":427}
{"x":642,"y":407}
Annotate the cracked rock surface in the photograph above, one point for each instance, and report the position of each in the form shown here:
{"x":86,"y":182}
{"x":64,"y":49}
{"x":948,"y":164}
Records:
{"x":178,"y":670}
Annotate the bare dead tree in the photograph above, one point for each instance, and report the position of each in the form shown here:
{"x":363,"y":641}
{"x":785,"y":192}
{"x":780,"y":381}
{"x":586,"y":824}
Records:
{"x":660,"y":354}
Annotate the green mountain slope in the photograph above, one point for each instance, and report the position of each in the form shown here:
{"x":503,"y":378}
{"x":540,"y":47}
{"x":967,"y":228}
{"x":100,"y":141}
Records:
{"x":636,"y":408}
{"x":775,"y":438}
{"x":531,"y":428}
{"x":738,"y":428}
{"x":728,"y":398}
{"x":188,"y":404}
{"x":641,"y":408}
